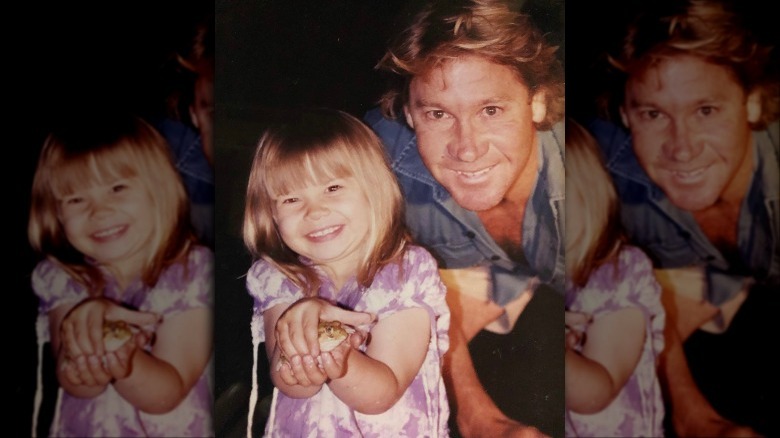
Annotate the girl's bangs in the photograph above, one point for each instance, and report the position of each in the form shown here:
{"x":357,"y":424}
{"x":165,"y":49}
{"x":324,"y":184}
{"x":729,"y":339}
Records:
{"x":295,"y":171}
{"x":76,"y":172}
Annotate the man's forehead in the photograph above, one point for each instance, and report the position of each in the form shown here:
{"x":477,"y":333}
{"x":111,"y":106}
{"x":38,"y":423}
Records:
{"x":476,"y":77}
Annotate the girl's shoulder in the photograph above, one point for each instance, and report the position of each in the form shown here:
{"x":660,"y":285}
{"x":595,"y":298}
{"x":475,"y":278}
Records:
{"x":633,"y":259}
{"x":418,"y":255}
{"x":54,"y":285}
{"x":198,"y":265}
{"x":266,"y":283}
{"x":200,"y":256}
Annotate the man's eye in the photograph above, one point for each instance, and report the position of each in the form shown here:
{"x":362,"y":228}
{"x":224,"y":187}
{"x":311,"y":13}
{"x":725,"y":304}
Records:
{"x":707,"y":110}
{"x":492,"y":110}
{"x":436,"y":114}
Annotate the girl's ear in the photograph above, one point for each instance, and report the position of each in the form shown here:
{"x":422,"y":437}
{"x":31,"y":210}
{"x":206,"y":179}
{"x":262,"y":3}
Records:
{"x":624,"y":117}
{"x":539,"y":106}
{"x":753,"y":106}
{"x":408,"y":116}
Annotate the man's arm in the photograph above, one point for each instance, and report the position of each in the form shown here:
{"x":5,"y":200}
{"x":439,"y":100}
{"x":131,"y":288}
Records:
{"x":692,"y":414}
{"x":475,"y":412}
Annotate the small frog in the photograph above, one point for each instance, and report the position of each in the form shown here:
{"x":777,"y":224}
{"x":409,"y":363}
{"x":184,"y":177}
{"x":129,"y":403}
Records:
{"x":115,"y":334}
{"x":330,"y":335}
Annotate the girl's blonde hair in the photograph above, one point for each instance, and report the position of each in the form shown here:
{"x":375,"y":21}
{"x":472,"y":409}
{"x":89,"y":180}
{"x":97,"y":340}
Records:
{"x":593,"y":232}
{"x":113,"y":147}
{"x":313,"y":147}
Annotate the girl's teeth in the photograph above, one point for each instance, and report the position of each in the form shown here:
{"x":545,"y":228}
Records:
{"x":324,"y":232}
{"x":108,"y":232}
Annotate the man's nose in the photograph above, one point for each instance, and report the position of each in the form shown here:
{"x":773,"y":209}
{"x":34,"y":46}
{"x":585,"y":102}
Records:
{"x":681,"y":145}
{"x":466,"y":144}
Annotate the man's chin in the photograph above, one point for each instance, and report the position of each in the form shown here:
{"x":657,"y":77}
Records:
{"x":477,"y":202}
{"x":692,"y":202}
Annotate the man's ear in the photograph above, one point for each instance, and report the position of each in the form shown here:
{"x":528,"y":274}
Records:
{"x":753,"y":106}
{"x":408,"y":116}
{"x":539,"y":106}
{"x":624,"y":117}
{"x":194,"y":116}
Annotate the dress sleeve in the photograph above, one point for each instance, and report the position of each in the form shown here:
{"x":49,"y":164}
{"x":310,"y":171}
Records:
{"x":421,"y":288}
{"x":184,"y":288}
{"x":640,"y":289}
{"x":55,"y":287}
{"x":268,"y":287}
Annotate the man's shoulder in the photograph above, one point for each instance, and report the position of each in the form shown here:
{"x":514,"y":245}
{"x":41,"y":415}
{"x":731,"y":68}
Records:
{"x":612,"y":138}
{"x":395,"y":134}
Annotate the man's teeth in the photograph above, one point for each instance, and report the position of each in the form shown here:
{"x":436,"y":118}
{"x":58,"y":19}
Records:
{"x":324,"y":232}
{"x":475,"y":174}
{"x":689,"y":174}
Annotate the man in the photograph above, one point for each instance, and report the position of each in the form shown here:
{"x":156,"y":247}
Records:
{"x":482,"y":172}
{"x":697,"y":174}
{"x":192,"y":140}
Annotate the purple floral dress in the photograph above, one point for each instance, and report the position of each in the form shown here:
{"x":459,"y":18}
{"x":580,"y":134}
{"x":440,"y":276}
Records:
{"x":109,"y":414}
{"x":638,"y":408}
{"x":423,"y":410}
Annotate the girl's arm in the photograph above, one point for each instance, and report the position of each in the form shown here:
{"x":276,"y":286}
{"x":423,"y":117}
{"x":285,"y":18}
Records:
{"x":613,"y":346}
{"x":375,"y":381}
{"x":160,"y":380}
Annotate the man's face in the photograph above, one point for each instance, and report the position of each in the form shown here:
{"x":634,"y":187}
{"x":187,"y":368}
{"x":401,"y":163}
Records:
{"x":474,"y":121}
{"x":689,"y":123}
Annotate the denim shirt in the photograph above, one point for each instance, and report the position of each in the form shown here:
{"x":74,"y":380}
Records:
{"x":457,"y":237}
{"x":196,"y":173}
{"x":674,"y":239}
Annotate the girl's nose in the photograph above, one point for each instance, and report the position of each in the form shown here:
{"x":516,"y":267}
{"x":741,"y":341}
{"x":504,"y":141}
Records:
{"x":316,"y":210}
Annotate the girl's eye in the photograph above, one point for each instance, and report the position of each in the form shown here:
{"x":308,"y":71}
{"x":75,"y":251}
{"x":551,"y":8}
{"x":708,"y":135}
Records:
{"x":119,"y":187}
{"x":334,"y":188}
{"x":289,"y":200}
{"x":75,"y":200}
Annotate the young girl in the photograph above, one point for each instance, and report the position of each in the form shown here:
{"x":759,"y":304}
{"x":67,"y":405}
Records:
{"x":110,"y":215}
{"x":615,"y":320}
{"x":324,"y":216}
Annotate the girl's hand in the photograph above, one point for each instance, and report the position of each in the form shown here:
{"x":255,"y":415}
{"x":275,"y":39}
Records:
{"x":334,"y":362}
{"x":576,"y":326}
{"x":296,"y":329}
{"x":118,"y":363}
{"x":82,"y":328}
{"x":303,"y":371}
{"x":84,"y":370}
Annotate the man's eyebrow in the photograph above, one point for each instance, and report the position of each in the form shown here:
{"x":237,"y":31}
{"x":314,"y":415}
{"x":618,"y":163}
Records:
{"x":423,"y":103}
